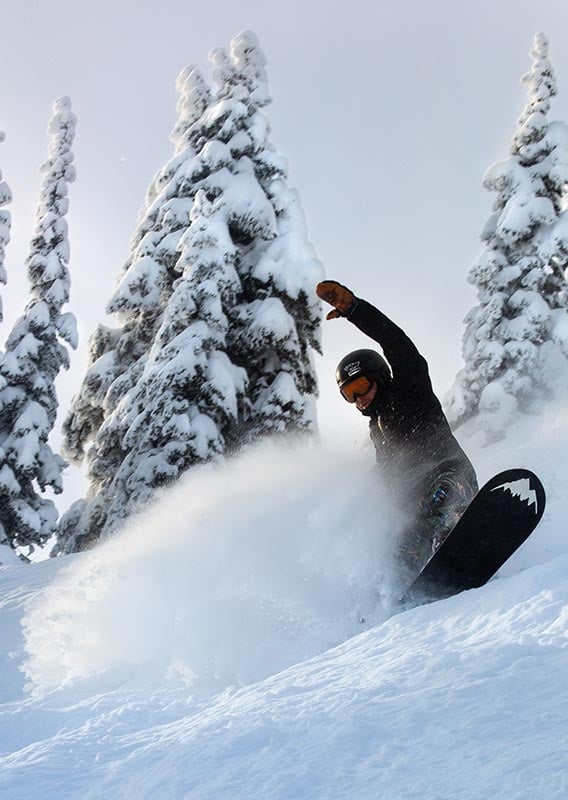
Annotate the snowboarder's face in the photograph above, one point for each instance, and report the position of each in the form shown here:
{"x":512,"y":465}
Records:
{"x":363,"y":401}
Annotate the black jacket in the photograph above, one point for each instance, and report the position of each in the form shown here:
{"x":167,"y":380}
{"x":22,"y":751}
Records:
{"x":408,"y":427}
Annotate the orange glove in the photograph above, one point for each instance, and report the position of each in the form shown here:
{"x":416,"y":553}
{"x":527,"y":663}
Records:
{"x":337,"y":295}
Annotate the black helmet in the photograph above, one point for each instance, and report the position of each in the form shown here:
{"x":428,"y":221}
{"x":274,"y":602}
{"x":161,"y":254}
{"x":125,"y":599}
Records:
{"x":362,"y":362}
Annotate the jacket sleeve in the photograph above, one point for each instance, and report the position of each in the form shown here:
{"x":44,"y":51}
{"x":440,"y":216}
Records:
{"x":407,"y":364}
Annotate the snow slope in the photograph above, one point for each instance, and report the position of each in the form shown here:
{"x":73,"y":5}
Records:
{"x":225,"y":657}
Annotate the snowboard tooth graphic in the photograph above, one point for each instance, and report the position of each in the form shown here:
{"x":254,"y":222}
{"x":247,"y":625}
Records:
{"x":522,"y":490}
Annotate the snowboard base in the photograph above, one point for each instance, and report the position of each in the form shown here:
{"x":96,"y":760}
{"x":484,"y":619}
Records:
{"x":501,"y":516}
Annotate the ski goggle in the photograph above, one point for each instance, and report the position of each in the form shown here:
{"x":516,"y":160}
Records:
{"x":351,"y":391}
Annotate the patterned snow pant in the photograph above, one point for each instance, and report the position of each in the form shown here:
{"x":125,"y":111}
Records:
{"x":442,"y":499}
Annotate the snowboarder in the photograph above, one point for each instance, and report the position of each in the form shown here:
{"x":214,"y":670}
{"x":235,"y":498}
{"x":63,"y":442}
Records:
{"x":417,"y":454}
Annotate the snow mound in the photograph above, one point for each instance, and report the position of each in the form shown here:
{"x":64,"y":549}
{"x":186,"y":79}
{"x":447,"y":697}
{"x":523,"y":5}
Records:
{"x":231,"y":576}
{"x":241,"y":572}
{"x":459,"y":699}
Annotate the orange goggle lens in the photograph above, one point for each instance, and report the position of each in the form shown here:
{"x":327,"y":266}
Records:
{"x":351,"y":391}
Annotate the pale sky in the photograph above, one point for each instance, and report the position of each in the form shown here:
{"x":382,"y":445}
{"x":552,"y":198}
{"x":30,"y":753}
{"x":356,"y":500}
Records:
{"x":389,"y":114}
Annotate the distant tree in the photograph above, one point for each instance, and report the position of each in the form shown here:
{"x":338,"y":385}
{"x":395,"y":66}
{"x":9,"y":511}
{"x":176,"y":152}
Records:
{"x":34,"y":356}
{"x":5,"y":224}
{"x":215,"y":299}
{"x":512,"y":345}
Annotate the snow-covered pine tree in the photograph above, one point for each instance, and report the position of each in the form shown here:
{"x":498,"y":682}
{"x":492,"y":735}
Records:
{"x":165,"y":391}
{"x":35,"y":354}
{"x":510,"y":344}
{"x":278,"y":319}
{"x":5,"y":223}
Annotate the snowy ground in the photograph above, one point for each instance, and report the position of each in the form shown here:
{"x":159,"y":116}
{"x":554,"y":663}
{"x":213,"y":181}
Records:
{"x":225,"y":657}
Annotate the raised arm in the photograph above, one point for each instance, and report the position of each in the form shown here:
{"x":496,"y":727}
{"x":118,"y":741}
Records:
{"x":400,"y":351}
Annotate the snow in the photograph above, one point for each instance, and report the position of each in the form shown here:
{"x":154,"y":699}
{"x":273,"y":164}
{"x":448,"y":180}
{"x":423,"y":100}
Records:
{"x":245,"y":202}
{"x":7,"y":555}
{"x":226,"y":379}
{"x":225,"y":656}
{"x":5,"y":193}
{"x":140,"y":287}
{"x":67,"y":327}
{"x":8,"y":483}
{"x":270,"y":318}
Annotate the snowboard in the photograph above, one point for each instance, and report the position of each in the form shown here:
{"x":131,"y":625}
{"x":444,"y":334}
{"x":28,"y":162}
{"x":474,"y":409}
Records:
{"x":501,"y":516}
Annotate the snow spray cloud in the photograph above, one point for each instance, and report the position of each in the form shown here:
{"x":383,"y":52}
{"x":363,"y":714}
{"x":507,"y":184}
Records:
{"x":233,"y":575}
